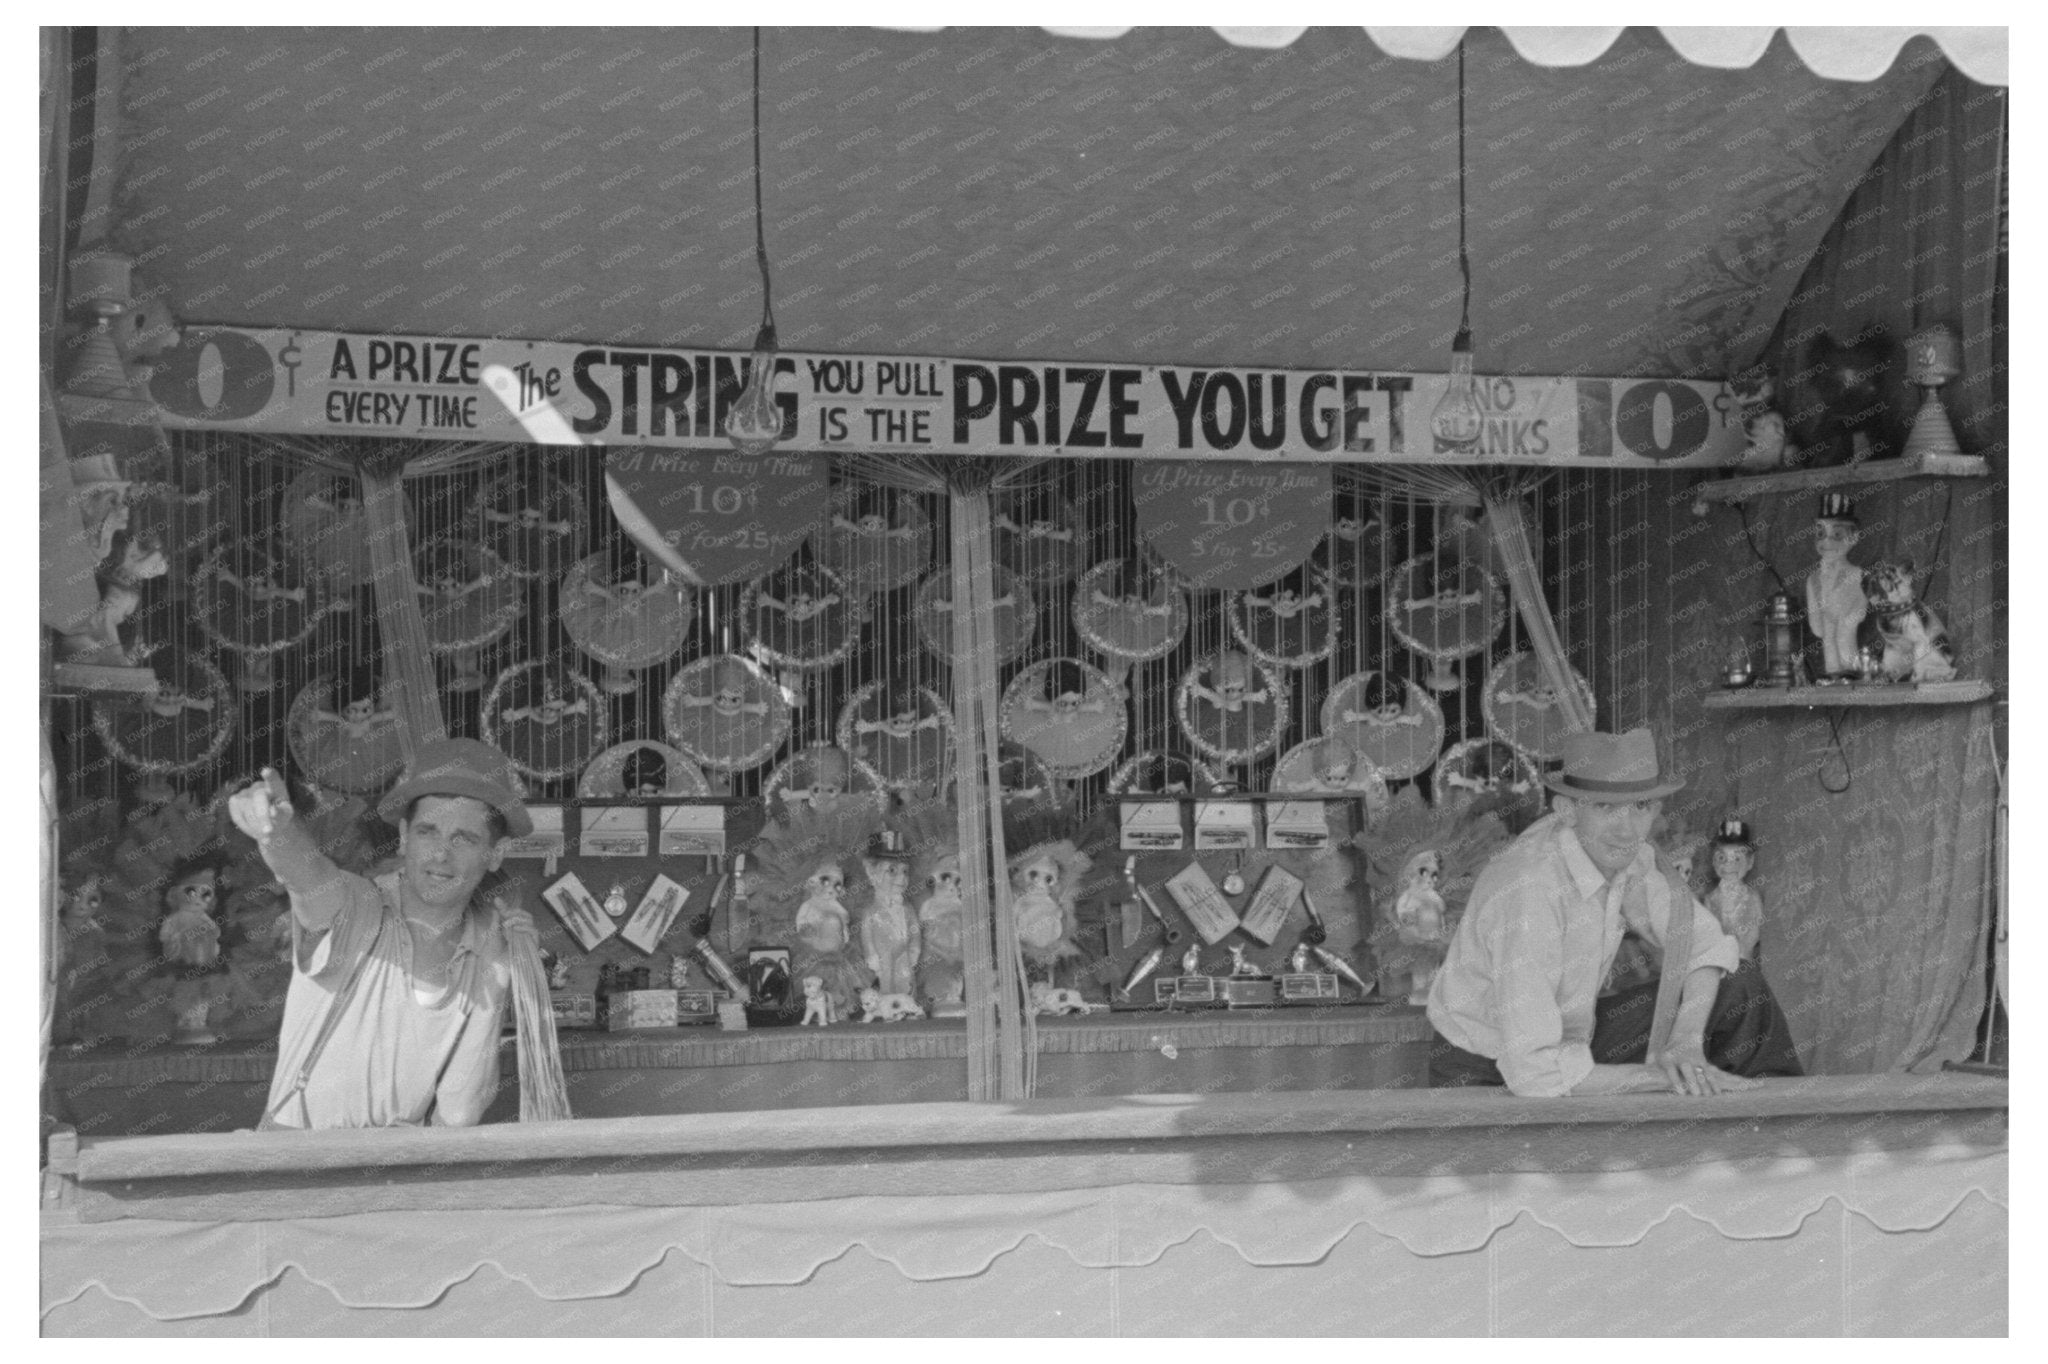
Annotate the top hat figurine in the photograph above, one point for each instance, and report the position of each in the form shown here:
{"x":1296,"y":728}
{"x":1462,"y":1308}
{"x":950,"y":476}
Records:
{"x":1835,"y":601}
{"x":1734,"y":833}
{"x":887,"y":845}
{"x":1737,"y":904}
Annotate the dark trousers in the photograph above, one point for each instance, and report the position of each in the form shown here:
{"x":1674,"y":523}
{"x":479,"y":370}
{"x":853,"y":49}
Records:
{"x":1746,"y":1034}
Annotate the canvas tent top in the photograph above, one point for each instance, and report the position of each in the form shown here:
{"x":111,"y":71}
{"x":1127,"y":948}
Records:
{"x":1168,"y":197}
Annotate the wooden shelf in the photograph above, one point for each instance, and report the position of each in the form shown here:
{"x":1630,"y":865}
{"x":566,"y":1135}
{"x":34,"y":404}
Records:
{"x":1741,"y":489}
{"x":1855,"y":694}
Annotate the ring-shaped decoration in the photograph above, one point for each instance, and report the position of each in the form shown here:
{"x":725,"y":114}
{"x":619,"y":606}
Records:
{"x":537,"y":525}
{"x":1163,"y":772}
{"x":1329,"y":766}
{"x":325,"y":525}
{"x":255,"y":599}
{"x":180,"y":727}
{"x":1069,"y":713}
{"x":1523,"y":711}
{"x":876,"y":539}
{"x":468,"y":598}
{"x":1284,"y":627}
{"x":187,"y":517}
{"x":1352,"y":553}
{"x":1398,"y":732}
{"x":345,"y":742}
{"x":641,"y":767}
{"x":1131,"y":610}
{"x":1022,"y":776}
{"x":904,"y":733}
{"x":1038,"y":533}
{"x":817,"y":775}
{"x":1232,"y":709}
{"x":725,"y":713}
{"x":1445,"y":609}
{"x":802,"y":616}
{"x":1015,"y":620}
{"x":625,"y":621}
{"x":546,"y":718}
{"x":1484,"y":767}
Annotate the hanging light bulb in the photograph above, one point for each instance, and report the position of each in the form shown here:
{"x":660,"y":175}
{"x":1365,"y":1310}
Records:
{"x":755,"y":422}
{"x":1457,"y":421}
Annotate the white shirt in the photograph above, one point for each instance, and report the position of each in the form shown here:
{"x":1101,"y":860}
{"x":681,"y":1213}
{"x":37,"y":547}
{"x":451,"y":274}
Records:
{"x":1537,"y":937}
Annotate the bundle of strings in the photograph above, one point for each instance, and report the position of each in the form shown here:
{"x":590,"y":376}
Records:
{"x":543,"y":1092}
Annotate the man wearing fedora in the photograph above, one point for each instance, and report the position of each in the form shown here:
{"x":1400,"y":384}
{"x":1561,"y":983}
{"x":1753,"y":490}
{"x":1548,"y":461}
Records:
{"x":1518,"y":998}
{"x":398,"y":984}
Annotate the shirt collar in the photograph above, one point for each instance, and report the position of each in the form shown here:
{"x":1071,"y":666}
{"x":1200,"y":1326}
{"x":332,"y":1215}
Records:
{"x":471,"y":938}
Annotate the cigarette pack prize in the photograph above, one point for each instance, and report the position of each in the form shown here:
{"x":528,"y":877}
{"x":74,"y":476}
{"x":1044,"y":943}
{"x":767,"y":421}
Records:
{"x":656,"y":911}
{"x":1202,"y":902}
{"x":580,"y":914}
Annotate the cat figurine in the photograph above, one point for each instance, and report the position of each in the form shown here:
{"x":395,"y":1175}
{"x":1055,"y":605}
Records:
{"x":1851,"y":379}
{"x":1916,"y":646}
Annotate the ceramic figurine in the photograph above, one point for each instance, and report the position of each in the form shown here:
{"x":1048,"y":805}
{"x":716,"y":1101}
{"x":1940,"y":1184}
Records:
{"x":1239,"y":964}
{"x":877,"y":1007}
{"x":1043,"y":883}
{"x":824,"y":937}
{"x":189,"y":934}
{"x":817,"y":1004}
{"x":1733,"y":900}
{"x":1048,"y":1001}
{"x":1763,"y":425}
{"x":1419,"y":920}
{"x":1298,"y":961}
{"x":558,"y":974}
{"x":1835,"y":603}
{"x":940,"y":974}
{"x":1191,"y":960}
{"x":98,"y":642}
{"x":889,"y":932}
{"x":1915,"y":643}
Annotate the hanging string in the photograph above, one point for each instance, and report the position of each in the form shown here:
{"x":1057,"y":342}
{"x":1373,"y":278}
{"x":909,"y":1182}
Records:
{"x":760,"y":233}
{"x":1464,"y":261}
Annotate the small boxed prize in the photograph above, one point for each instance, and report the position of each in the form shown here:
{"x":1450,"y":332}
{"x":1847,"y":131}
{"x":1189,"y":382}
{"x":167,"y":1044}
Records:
{"x":1199,"y":899}
{"x":1300,"y":825}
{"x":1309,"y":987}
{"x":574,"y":1008}
{"x":614,"y":831}
{"x":1279,"y":890}
{"x":692,"y":831}
{"x":1226,"y":826}
{"x":1150,"y":826}
{"x":546,"y":840}
{"x":642,"y":1009}
{"x":1248,"y":992}
{"x":658,"y":907}
{"x":1193,"y":989}
{"x":696,"y":1006}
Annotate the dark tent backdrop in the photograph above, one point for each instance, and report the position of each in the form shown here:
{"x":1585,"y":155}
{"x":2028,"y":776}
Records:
{"x":1170,"y":197}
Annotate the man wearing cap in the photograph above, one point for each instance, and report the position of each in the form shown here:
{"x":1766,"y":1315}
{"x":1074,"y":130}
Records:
{"x":1517,"y":1000}
{"x":399,"y":984}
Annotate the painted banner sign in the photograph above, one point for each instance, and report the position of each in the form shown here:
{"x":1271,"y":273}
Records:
{"x":558,"y":392}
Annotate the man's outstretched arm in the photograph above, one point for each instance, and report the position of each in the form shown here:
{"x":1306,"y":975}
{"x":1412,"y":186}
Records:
{"x":319,"y":890}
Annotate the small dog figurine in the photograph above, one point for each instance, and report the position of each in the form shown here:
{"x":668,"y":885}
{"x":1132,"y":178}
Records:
{"x":1047,"y":1000}
{"x":876,"y":1007}
{"x":1915,"y":644}
{"x":817,"y":1004}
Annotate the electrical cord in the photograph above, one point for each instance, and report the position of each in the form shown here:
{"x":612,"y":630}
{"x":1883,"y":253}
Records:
{"x":1835,"y":741}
